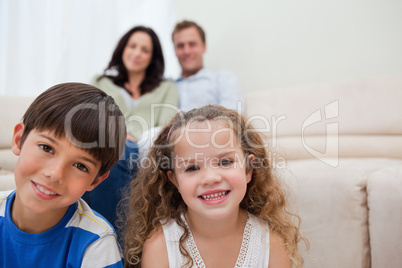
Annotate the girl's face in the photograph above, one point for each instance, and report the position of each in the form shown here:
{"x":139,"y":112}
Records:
{"x":137,"y":54}
{"x":210,"y":170}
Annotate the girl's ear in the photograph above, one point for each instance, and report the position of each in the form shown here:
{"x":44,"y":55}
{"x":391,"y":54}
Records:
{"x":172,"y":178}
{"x":249,"y":169}
{"x":97,"y":181}
{"x":16,"y":140}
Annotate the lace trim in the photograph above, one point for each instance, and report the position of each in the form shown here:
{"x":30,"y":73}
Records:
{"x":195,"y":254}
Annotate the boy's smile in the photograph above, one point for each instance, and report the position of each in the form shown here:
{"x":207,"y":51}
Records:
{"x":50,"y":175}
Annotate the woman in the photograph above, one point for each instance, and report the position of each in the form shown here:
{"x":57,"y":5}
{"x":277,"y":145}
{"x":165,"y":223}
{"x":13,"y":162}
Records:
{"x":134,"y":78}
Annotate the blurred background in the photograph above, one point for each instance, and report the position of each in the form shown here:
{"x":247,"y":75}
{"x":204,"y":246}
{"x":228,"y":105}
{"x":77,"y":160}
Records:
{"x":267,"y":44}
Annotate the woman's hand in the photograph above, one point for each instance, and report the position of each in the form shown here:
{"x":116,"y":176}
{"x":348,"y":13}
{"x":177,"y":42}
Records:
{"x":131,"y":138}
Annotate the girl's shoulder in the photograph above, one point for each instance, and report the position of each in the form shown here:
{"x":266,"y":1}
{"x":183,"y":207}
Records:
{"x":154,"y":253}
{"x":277,"y":251}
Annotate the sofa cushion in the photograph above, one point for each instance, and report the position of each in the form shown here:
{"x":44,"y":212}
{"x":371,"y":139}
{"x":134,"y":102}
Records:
{"x":8,"y":159}
{"x":384,"y":190}
{"x":332,"y":204}
{"x":6,"y":180}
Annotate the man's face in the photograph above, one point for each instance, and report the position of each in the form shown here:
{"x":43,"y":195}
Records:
{"x":189,"y":49}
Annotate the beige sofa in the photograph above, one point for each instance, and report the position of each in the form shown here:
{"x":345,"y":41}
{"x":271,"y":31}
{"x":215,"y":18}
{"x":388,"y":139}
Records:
{"x":338,"y":147}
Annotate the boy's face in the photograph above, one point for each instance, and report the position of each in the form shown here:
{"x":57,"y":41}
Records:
{"x":51,"y":173}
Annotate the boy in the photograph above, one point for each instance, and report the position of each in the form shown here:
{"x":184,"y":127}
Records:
{"x":68,"y":140}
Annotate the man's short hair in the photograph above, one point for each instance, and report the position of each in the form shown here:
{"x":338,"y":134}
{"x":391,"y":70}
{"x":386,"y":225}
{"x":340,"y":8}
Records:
{"x":85,"y":115}
{"x":187,"y":24}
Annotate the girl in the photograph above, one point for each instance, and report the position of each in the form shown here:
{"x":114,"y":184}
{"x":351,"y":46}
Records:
{"x":206,"y":197}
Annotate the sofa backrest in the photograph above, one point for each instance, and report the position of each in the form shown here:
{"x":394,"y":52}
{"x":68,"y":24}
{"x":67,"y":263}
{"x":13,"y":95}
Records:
{"x":12,"y":108}
{"x":360,"y":118}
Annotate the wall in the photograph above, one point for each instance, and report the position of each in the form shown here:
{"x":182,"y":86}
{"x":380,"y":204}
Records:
{"x":273,"y":44}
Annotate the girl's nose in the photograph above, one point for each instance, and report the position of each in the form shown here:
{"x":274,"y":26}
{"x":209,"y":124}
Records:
{"x":211,"y":176}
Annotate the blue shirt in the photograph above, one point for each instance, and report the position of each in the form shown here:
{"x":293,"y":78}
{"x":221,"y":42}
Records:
{"x":81,"y":239}
{"x":206,"y":87}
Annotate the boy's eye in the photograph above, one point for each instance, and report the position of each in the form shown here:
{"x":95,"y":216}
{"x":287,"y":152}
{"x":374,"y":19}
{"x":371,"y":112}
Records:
{"x":46,"y":148}
{"x":81,"y":167}
{"x":192,"y":168}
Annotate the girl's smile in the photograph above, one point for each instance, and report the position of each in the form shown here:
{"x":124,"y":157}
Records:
{"x":216,"y":197}
{"x":211,"y":173}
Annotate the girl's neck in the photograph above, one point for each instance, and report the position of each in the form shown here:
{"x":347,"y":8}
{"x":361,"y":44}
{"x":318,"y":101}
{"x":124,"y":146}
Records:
{"x":217,"y":228}
{"x":133,"y":84}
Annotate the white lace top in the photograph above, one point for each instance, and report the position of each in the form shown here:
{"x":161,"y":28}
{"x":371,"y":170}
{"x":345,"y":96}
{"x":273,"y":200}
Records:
{"x":254,"y":251}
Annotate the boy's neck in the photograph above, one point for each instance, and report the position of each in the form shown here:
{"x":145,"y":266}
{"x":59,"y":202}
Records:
{"x":30,"y":222}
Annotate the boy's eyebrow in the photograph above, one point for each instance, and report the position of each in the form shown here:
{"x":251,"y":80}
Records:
{"x":81,"y":157}
{"x":49,"y":138}
{"x":88,"y":159}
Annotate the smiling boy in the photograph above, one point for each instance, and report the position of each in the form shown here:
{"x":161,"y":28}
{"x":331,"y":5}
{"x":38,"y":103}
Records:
{"x":68,"y":140}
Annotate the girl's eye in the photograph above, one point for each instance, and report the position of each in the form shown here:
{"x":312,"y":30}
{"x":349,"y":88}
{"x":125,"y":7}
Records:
{"x":46,"y":148}
{"x":192,"y":168}
{"x":81,"y":167}
{"x":225,"y":162}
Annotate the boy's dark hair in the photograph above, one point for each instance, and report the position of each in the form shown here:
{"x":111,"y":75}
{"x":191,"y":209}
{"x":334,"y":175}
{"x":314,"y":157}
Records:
{"x":85,"y":115}
{"x":187,"y":24}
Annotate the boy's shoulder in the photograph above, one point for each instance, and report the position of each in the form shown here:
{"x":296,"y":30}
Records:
{"x":87,"y":219}
{"x":4,"y":196}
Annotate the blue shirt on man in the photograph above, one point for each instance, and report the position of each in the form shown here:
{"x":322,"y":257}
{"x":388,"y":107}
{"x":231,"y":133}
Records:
{"x":206,"y":87}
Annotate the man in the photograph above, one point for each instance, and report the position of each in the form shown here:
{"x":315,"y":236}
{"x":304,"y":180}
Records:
{"x":197,"y":85}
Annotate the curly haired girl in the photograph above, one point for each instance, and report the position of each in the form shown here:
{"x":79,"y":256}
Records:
{"x":206,"y":196}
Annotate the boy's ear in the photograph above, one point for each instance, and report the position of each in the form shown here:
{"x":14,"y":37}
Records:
{"x":16,"y":140}
{"x":249,"y":169}
{"x":97,"y":181}
{"x":172,"y":178}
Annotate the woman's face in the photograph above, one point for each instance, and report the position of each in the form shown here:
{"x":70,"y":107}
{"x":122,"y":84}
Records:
{"x":137,"y":54}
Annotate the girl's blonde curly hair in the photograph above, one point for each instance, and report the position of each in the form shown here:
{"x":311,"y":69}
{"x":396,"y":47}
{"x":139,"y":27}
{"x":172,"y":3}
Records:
{"x":153,"y":198}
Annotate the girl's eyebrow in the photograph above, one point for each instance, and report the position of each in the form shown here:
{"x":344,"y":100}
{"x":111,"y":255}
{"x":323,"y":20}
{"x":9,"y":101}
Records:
{"x":192,"y":159}
{"x":183,"y":160}
{"x":226,"y":153}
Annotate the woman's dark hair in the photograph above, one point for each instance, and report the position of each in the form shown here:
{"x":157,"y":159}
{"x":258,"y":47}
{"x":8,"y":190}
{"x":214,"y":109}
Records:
{"x":154,"y":72}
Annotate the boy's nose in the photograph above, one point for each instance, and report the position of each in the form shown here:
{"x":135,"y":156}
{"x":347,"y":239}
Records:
{"x":55,"y":172}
